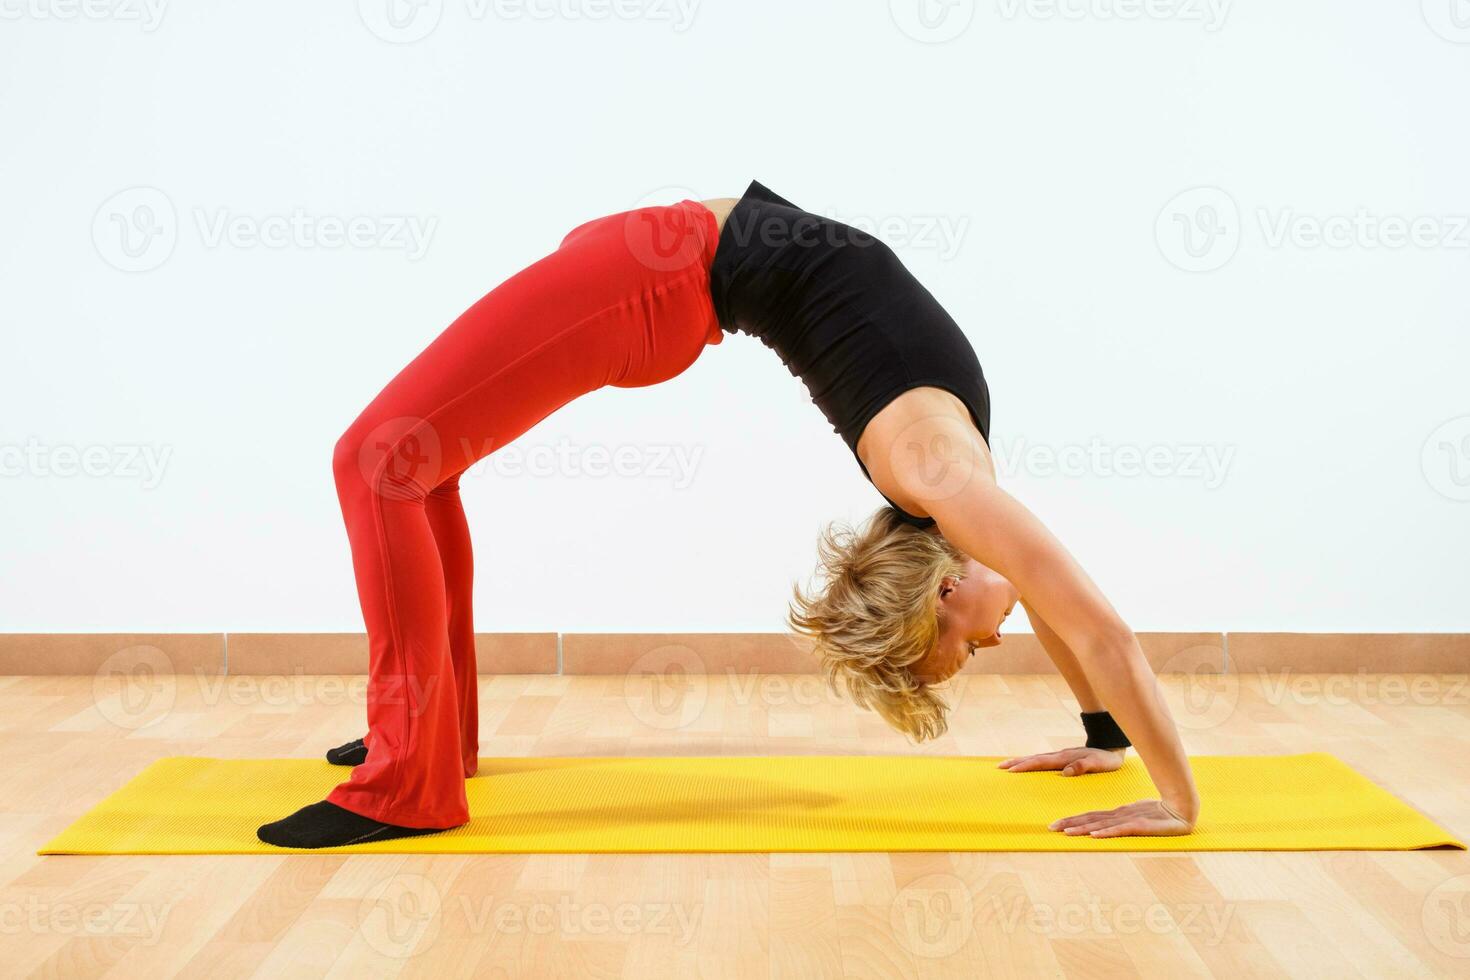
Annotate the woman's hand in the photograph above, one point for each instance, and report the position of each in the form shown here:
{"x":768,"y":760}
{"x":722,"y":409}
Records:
{"x":1148,"y":818}
{"x":1071,"y":762}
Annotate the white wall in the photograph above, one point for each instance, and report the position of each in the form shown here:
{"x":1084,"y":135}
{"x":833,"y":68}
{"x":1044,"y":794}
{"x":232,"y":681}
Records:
{"x":1028,"y":169}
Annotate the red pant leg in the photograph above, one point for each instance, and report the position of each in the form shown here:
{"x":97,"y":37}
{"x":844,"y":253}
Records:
{"x":624,"y":301}
{"x":456,"y":559}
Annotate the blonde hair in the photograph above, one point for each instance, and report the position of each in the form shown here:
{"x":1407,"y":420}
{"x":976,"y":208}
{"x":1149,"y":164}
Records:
{"x":874,"y":613}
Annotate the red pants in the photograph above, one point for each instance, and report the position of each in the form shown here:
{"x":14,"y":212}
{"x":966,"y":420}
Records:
{"x":623,"y":301}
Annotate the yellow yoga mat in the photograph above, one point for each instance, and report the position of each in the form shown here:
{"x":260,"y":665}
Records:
{"x":781,"y":803}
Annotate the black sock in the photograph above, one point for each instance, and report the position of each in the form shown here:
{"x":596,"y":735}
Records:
{"x":354,"y":753}
{"x":326,"y":824}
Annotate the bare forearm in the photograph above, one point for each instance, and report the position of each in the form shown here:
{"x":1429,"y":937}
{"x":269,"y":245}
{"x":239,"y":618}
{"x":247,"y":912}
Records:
{"x":1065,"y":661}
{"x":1128,"y":689}
{"x":995,"y":529}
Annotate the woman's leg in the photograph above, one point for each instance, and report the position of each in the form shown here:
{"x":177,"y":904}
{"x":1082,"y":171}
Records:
{"x":452,"y":535}
{"x":598,"y":311}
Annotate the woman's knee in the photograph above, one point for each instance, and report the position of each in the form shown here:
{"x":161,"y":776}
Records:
{"x":398,"y":458}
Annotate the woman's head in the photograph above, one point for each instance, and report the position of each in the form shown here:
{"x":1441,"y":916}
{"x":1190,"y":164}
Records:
{"x":898,"y":609}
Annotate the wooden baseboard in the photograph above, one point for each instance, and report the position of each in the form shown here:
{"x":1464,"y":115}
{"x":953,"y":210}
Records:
{"x":274,"y":654}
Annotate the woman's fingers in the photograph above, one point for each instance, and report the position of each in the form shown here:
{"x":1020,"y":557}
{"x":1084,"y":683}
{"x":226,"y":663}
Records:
{"x":1031,"y":763}
{"x":1129,"y":810}
{"x":1080,"y":818}
{"x":1071,"y":762}
{"x":1091,"y":762}
{"x":1143,"y":819}
{"x":1138,"y":828}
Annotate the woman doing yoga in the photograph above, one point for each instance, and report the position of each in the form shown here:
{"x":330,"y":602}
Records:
{"x":630,"y":300}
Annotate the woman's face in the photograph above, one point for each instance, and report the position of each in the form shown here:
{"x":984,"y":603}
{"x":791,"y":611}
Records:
{"x":971,"y":610}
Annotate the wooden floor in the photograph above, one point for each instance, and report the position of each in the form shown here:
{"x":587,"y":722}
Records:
{"x":68,"y":741}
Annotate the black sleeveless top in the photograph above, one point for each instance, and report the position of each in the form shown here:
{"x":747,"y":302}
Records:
{"x":842,"y":312}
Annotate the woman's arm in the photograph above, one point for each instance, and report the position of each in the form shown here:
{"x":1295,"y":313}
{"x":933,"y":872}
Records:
{"x":1079,"y":760}
{"x":1065,"y":660}
{"x":985,"y":522}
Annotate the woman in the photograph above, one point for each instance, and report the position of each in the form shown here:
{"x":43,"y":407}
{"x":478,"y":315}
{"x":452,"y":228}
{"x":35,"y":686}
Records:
{"x":630,"y":300}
